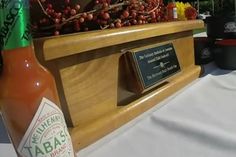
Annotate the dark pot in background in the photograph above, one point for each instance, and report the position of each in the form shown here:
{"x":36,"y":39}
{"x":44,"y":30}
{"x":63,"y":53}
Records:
{"x":225,"y":53}
{"x":221,"y":27}
{"x":203,"y":50}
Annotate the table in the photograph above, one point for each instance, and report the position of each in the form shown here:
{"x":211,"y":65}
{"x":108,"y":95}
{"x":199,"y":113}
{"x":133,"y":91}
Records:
{"x":198,"y":121}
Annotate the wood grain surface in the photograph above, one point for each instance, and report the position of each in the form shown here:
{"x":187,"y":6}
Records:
{"x":86,"y":41}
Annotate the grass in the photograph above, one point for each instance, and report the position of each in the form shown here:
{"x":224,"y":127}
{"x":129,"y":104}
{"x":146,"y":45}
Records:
{"x":196,"y":31}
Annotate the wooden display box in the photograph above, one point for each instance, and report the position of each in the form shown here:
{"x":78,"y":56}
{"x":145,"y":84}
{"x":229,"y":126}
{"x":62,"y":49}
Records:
{"x":90,"y":69}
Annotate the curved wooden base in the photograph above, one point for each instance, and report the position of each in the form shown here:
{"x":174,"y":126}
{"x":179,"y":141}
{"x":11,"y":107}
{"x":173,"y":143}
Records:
{"x":92,"y":79}
{"x":84,"y":135}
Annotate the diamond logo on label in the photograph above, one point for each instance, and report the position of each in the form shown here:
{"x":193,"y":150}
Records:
{"x":47,"y":135}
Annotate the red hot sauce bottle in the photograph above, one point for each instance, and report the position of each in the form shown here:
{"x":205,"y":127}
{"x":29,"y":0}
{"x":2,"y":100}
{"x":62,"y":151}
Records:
{"x":28,"y":95}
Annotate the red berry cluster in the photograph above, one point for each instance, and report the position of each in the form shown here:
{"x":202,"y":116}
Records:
{"x":133,"y":13}
{"x":60,"y":17}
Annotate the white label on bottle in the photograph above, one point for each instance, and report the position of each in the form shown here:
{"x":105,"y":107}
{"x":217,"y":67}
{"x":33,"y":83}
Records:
{"x":175,"y":15}
{"x":47,"y":135}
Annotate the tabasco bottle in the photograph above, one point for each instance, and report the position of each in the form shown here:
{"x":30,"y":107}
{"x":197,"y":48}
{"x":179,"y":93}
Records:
{"x":28,"y":96}
{"x":172,"y":11}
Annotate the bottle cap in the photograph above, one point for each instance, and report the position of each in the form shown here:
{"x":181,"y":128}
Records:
{"x":14,"y":24}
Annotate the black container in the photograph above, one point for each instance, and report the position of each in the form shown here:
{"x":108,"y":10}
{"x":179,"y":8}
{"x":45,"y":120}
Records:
{"x":203,"y":50}
{"x":221,"y":27}
{"x":225,"y":54}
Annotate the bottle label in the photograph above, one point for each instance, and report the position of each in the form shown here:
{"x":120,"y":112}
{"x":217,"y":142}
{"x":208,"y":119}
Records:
{"x":14,"y":24}
{"x":175,"y":15}
{"x":47,"y":135}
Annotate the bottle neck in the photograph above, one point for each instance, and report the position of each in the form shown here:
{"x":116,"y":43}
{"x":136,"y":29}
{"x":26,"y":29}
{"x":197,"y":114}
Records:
{"x":14,"y":24}
{"x":15,"y":36}
{"x":19,"y":60}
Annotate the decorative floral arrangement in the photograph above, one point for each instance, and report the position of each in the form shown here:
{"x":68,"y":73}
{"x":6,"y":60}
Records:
{"x":185,"y":11}
{"x":54,"y":17}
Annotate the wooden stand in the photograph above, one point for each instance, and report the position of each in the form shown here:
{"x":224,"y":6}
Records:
{"x":91,"y":74}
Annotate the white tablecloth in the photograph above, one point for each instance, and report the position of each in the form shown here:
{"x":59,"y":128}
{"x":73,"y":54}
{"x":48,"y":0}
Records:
{"x":202,"y":34}
{"x":198,"y":121}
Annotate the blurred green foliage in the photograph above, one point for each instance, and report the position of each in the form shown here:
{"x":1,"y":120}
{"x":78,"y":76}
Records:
{"x":221,"y":7}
